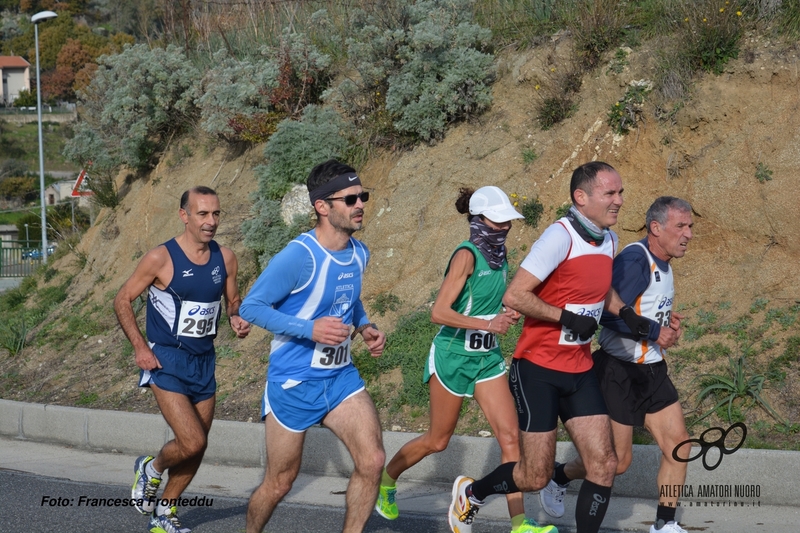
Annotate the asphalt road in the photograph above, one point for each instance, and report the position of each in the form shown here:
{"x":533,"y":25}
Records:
{"x":53,"y":505}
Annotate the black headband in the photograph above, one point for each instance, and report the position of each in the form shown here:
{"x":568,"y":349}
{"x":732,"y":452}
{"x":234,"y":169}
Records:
{"x":340,"y":182}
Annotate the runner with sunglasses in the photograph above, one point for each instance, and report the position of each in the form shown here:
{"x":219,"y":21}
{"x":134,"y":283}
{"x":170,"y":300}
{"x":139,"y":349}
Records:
{"x":465,"y":358}
{"x":309,"y":297}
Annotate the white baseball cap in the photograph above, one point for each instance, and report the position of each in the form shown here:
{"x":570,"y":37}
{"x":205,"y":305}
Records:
{"x":492,"y":203}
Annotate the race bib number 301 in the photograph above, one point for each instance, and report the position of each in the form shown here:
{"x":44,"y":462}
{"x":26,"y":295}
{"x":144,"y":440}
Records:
{"x":478,"y":340}
{"x":593,"y":310}
{"x":198,"y":319}
{"x":328,"y":357}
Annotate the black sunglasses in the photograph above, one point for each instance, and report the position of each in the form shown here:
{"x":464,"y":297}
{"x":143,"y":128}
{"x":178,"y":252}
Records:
{"x":351,"y":199}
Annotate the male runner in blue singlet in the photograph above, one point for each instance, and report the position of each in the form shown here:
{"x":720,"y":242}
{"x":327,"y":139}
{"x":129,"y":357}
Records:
{"x":185,"y":279}
{"x":309,"y":296}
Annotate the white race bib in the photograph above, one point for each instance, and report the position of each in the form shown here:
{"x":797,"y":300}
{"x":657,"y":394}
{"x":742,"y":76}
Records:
{"x":478,"y":340}
{"x":328,"y":357}
{"x":198,"y":319}
{"x":593,"y":310}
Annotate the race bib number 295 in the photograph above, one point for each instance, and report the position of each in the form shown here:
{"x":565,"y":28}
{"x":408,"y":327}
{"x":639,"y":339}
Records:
{"x":198,"y":319}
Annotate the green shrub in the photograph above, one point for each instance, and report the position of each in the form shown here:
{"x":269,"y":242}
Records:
{"x":135,"y":101}
{"x":788,"y":18}
{"x":712,"y":31}
{"x":294,"y":149}
{"x":763,"y":173}
{"x":532,"y":210}
{"x":385,"y":301}
{"x":596,"y":27}
{"x":517,"y":22}
{"x":427,"y":59}
{"x":627,"y":111}
{"x":529,"y":156}
{"x":246,"y":99}
{"x":557,"y":94}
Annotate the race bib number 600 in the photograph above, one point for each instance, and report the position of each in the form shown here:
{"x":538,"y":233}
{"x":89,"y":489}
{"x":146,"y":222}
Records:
{"x":327,"y":356}
{"x":198,"y":319}
{"x":478,"y":340}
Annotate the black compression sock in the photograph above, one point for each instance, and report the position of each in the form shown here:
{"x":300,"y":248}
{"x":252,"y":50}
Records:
{"x":591,"y":507}
{"x":500,"y":481}
{"x":664,"y":514}
{"x":559,"y":476}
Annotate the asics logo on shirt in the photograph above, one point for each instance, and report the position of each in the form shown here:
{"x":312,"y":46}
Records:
{"x":664,"y":301}
{"x":187,"y":273}
{"x":345,"y":275}
{"x":484,"y":273}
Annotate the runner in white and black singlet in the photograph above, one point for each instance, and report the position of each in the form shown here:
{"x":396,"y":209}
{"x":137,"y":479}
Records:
{"x":562,"y":288}
{"x":632,"y":371}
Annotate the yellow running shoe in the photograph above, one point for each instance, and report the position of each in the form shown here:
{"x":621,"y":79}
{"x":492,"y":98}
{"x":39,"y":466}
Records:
{"x":386,"y":505}
{"x":531,"y":526}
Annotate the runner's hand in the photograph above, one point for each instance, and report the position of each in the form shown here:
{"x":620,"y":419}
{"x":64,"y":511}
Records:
{"x":146,"y":359}
{"x":583,"y":326}
{"x":500,"y":323}
{"x":639,"y":325}
{"x":375,"y":340}
{"x":330,"y":330}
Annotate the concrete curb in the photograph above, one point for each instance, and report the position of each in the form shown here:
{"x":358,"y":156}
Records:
{"x":242,"y":444}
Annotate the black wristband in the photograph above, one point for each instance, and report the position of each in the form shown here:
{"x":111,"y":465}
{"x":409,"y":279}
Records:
{"x":361,"y":328}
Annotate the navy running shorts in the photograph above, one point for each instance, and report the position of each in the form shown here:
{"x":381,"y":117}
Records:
{"x":182,"y":372}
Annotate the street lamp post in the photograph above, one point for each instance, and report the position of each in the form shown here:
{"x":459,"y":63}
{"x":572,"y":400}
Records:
{"x":27,"y":240}
{"x":36,"y":19}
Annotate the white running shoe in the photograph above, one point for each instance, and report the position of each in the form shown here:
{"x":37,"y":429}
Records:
{"x":552,"y":499}
{"x":462,"y":509}
{"x":669,"y":527}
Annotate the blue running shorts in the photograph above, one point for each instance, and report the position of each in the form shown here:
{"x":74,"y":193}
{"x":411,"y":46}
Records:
{"x":298,"y":405}
{"x":181,"y":372}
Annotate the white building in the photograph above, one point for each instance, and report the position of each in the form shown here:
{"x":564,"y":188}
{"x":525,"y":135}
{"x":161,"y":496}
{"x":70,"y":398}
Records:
{"x":16,"y":74}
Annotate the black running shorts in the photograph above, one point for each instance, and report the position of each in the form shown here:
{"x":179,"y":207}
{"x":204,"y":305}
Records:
{"x":543,"y":395}
{"x":632,"y":390}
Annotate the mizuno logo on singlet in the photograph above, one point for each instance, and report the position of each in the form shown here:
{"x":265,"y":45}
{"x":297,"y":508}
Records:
{"x":187,"y":273}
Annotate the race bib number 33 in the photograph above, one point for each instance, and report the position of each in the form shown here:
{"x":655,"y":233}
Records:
{"x":198,"y":319}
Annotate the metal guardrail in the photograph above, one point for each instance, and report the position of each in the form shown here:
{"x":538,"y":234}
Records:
{"x":19,"y":258}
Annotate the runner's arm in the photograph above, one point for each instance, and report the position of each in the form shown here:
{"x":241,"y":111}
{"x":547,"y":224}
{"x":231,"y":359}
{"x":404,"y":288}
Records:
{"x":231,"y":293}
{"x":286,"y":271}
{"x":153,"y":265}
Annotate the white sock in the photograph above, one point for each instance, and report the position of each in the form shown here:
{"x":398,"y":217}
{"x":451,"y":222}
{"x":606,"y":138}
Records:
{"x":162,"y":509}
{"x":151,"y":471}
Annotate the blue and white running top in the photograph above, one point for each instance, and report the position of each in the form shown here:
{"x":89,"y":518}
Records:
{"x":302,"y":283}
{"x":185,"y":315}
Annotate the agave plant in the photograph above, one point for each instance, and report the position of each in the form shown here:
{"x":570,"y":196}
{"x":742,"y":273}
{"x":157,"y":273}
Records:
{"x":726,"y":389}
